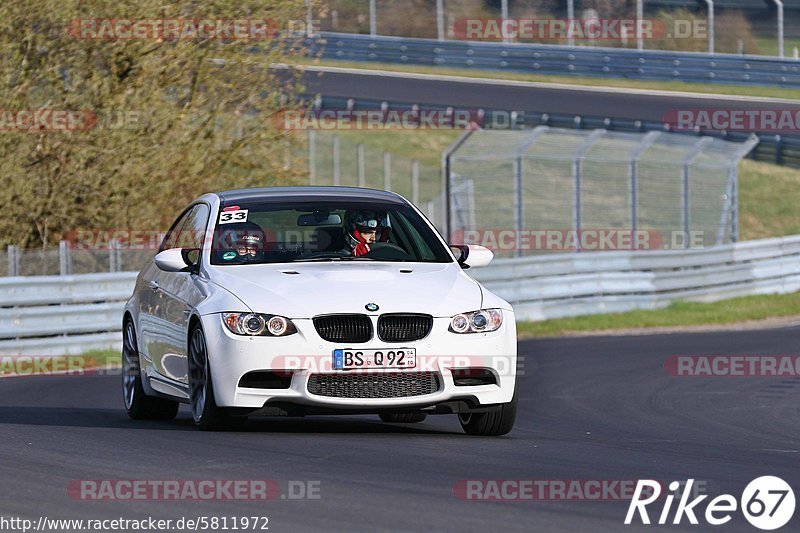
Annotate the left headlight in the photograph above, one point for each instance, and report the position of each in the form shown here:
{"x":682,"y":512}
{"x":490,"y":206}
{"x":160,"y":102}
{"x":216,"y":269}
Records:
{"x":254,"y":324}
{"x":477,"y":321}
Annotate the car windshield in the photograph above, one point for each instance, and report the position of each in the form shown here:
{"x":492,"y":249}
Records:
{"x":261,"y":232}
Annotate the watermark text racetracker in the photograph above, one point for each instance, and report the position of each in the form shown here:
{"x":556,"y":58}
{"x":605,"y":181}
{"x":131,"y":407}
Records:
{"x":553,"y":239}
{"x":357,"y":361}
{"x":589,"y":29}
{"x":393,"y":119}
{"x":552,"y":489}
{"x":784,"y":121}
{"x":188,"y":29}
{"x":192,"y":489}
{"x":45,"y":365}
{"x":780,"y":366}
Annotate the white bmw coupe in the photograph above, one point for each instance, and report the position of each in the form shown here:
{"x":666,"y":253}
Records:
{"x":316,"y":300}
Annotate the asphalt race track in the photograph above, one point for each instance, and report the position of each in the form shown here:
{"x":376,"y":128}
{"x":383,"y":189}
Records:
{"x":598,"y":408}
{"x":474,"y":94}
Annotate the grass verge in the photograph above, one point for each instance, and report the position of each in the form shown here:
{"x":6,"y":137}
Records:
{"x":681,"y":313}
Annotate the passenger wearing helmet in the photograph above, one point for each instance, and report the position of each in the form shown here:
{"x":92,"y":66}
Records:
{"x":242,"y":243}
{"x":362,"y":229}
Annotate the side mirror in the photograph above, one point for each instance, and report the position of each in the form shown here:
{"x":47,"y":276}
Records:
{"x":472,"y":255}
{"x":178,"y":259}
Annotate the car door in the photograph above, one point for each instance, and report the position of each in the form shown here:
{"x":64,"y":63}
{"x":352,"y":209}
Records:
{"x":179,"y":293}
{"x":151,"y":306}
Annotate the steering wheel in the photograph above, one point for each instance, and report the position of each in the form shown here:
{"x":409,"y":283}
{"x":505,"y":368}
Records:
{"x":387,"y":250}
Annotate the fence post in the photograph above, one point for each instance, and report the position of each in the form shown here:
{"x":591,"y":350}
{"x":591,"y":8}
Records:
{"x":337,"y":179}
{"x":414,"y":182}
{"x":387,"y":171}
{"x":519,"y":200}
{"x":686,"y":205}
{"x":710,"y":4}
{"x":309,"y":19}
{"x":362,"y":173}
{"x":735,"y":204}
{"x":373,"y":24}
{"x":312,"y":158}
{"x":440,"y":19}
{"x":577,"y":169}
{"x":504,"y":17}
{"x":779,"y":4}
{"x":635,"y":155}
{"x":446,"y":180}
{"x":13,"y":260}
{"x":639,"y":19}
{"x":570,"y":19}
{"x":113,"y":259}
{"x":64,"y":258}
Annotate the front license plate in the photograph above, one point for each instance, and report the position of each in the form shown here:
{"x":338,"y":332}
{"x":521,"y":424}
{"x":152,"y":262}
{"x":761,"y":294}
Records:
{"x":349,"y":359}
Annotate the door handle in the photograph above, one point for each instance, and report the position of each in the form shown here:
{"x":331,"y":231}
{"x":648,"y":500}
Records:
{"x":153,"y":285}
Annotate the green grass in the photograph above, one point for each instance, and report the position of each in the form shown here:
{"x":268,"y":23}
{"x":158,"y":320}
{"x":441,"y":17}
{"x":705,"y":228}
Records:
{"x":769,"y":46}
{"x":769,"y":200}
{"x":71,"y":364}
{"x":679,"y":313}
{"x":737,"y":90}
{"x":103,"y":357}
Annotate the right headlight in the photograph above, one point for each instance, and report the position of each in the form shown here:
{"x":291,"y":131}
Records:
{"x":254,"y":324}
{"x":480,"y":321}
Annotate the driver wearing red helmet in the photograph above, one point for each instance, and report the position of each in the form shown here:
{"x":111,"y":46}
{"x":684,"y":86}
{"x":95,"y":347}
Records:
{"x":362,"y":230}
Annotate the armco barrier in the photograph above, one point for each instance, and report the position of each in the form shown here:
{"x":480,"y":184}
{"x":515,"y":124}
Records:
{"x":54,"y":315}
{"x":778,"y":149}
{"x":564,"y":285}
{"x":561,"y":60}
{"x":44,"y":315}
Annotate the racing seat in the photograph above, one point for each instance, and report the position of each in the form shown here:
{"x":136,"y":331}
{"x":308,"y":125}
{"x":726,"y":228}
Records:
{"x":327,"y":239}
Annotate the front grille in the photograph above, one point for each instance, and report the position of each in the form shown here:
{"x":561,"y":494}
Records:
{"x":404,"y":327}
{"x":344,"y":328}
{"x":373,"y":385}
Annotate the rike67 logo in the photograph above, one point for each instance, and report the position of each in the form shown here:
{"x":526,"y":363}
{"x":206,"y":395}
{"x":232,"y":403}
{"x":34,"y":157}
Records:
{"x":767,"y":503}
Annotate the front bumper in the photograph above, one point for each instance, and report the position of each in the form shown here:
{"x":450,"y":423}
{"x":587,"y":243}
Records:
{"x":306,"y":353}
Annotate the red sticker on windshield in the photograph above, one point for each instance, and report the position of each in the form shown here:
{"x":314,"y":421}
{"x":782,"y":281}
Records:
{"x":232,"y":208}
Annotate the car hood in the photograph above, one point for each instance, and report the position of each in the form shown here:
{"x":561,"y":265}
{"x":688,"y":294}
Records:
{"x":304,"y":290}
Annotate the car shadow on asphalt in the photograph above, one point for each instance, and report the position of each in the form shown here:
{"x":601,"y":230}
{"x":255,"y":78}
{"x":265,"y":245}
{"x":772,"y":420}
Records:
{"x":117,"y":419}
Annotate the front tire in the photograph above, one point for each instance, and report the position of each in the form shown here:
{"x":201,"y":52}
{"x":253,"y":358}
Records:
{"x":403,"y":418}
{"x":138,"y":405}
{"x":497,"y":421}
{"x":207,"y":415}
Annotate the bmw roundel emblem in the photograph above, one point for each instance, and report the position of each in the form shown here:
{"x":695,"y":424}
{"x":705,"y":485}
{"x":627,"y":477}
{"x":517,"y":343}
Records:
{"x":371,"y":307}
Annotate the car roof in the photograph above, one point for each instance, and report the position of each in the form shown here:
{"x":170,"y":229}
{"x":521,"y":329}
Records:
{"x":310,"y":192}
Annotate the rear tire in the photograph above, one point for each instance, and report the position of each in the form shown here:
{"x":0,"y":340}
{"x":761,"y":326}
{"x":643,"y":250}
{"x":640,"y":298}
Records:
{"x":403,"y":418}
{"x":205,"y":412}
{"x":497,"y":421}
{"x":138,"y":405}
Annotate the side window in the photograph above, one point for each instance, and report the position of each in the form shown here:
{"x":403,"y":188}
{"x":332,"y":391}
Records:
{"x":189,"y":230}
{"x":171,"y":240}
{"x":193,"y":233}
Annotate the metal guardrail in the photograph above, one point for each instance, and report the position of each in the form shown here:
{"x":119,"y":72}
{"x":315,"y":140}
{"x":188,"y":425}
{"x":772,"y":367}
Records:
{"x":33,"y":323}
{"x":546,"y":287}
{"x":55,"y":315}
{"x":561,"y":60}
{"x":778,"y":149}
